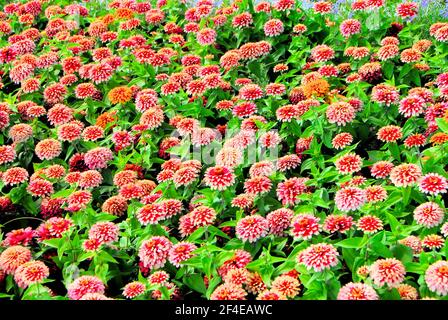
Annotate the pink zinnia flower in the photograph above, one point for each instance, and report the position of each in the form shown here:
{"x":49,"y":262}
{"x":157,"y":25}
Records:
{"x":273,"y":27}
{"x":48,"y":149}
{"x":319,"y":257}
{"x":206,"y":36}
{"x":154,"y":252}
{"x":252,"y":228}
{"x":180,"y":252}
{"x":436,"y":277}
{"x":322,"y":53}
{"x":257,"y":185}
{"x":13,"y":257}
{"x":350,"y":27}
{"x":407,"y":9}
{"x":412,"y":106}
{"x":406,"y":174}
{"x":134,"y":289}
{"x":104,"y":232}
{"x":279,"y":220}
{"x":97,"y":158}
{"x":305,"y":226}
{"x":85,"y":285}
{"x":289,"y":190}
{"x":350,"y":198}
{"x":357,"y":291}
{"x":228,"y":291}
{"x":429,"y":214}
{"x":31,"y":272}
{"x":340,"y":113}
{"x":433,"y":183}
{"x":337,"y":223}
{"x":381,"y":169}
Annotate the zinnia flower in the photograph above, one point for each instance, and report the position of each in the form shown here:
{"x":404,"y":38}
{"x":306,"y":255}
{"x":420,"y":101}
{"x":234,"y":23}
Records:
{"x":319,"y":257}
{"x":340,"y":113}
{"x":13,"y":257}
{"x":273,"y":27}
{"x":357,"y":291}
{"x":349,"y":163}
{"x":31,"y":272}
{"x":48,"y":149}
{"x":433,"y":184}
{"x":154,"y":252}
{"x":370,"y":224}
{"x":85,"y":285}
{"x":350,"y":198}
{"x":228,"y":291}
{"x":429,"y":214}
{"x":388,"y":271}
{"x":252,"y":228}
{"x":406,"y":174}
{"x":134,"y":289}
{"x":219,"y":177}
{"x":304,"y":226}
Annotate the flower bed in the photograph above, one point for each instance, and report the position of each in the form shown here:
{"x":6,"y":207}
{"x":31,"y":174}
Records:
{"x":270,"y":151}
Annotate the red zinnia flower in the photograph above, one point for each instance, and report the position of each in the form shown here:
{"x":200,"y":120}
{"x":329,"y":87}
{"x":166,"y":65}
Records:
{"x":289,"y":190}
{"x":219,"y":177}
{"x":349,"y":163}
{"x":337,"y":223}
{"x":273,"y":27}
{"x":389,"y":133}
{"x":370,"y":224}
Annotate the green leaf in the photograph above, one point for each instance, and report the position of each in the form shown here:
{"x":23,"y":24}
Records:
{"x":54,"y":243}
{"x":402,"y":253}
{"x":29,"y":204}
{"x":17,"y":193}
{"x":355,"y":242}
{"x":391,"y":294}
{"x":63,"y":193}
{"x":195,"y":282}
{"x":394,"y":151}
{"x":381,"y":249}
